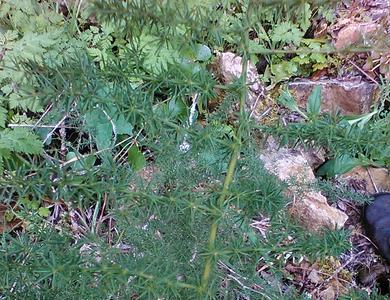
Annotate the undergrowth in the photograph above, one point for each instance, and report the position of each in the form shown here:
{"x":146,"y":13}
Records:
{"x":112,"y":189}
{"x":350,"y":140}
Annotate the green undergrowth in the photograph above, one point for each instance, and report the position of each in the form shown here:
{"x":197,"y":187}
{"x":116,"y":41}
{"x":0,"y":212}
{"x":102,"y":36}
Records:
{"x":113,"y":187}
{"x":350,"y":141}
{"x":161,"y":234}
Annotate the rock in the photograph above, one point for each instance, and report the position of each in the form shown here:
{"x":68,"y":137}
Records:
{"x":314,"y":277}
{"x":328,"y":294}
{"x":229,"y":67}
{"x":308,"y":206}
{"x":356,"y":34}
{"x":380,"y":177}
{"x":350,"y":97}
{"x":379,"y":10}
{"x":313,"y":212}
{"x":363,"y":24}
{"x":360,"y":23}
{"x":314,"y":156}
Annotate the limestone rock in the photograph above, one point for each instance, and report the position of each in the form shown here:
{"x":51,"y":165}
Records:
{"x":315,"y":156}
{"x":308,"y":206}
{"x":350,"y":97}
{"x":229,"y":67}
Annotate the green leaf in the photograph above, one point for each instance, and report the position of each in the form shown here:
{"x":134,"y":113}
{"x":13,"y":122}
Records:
{"x":136,"y":158}
{"x":83,"y":163}
{"x":44,"y":212}
{"x":101,"y":126}
{"x":123,"y":126}
{"x":9,"y":215}
{"x":304,"y":16}
{"x":362,"y":120}
{"x":314,"y":102}
{"x":287,"y":33}
{"x":284,"y":70}
{"x":339,"y":165}
{"x":20,"y":140}
{"x":177,"y":108}
{"x":95,"y":53}
{"x":3,"y":116}
{"x":189,"y":67}
{"x":103,"y":136}
{"x":203,"y":53}
{"x":157,"y":55}
{"x":255,"y":47}
{"x":287,"y":100}
{"x":197,"y":52}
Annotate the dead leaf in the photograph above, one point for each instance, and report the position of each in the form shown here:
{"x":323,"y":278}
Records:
{"x":373,"y":177}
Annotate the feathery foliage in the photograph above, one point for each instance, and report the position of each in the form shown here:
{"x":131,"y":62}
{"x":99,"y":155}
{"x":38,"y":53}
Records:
{"x":96,"y":224}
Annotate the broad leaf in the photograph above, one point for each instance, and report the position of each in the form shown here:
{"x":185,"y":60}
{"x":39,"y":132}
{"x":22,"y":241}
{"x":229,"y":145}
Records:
{"x":83,"y":163}
{"x":203,"y":53}
{"x":136,"y":158}
{"x":287,"y":100}
{"x":103,"y":135}
{"x":123,"y":126}
{"x":314,"y":101}
{"x":102,"y":126}
{"x":177,"y":108}
{"x":339,"y":165}
{"x":44,"y":212}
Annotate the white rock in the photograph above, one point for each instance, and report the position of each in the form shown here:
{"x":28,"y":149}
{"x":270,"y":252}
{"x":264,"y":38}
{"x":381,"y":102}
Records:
{"x":229,"y":66}
{"x":310,"y":207}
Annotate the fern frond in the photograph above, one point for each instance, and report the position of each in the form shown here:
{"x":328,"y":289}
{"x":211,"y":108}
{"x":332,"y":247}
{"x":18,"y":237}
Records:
{"x":20,"y":140}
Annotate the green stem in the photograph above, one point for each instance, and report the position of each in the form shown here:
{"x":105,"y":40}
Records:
{"x":210,"y":261}
{"x":214,"y":226}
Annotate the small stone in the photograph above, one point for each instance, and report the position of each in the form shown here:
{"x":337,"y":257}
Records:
{"x":328,"y":294}
{"x":314,"y":277}
{"x":341,"y":205}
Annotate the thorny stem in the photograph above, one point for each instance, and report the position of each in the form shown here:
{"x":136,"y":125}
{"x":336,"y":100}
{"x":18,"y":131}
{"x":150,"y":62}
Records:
{"x":214,"y":226}
{"x":210,"y":262}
